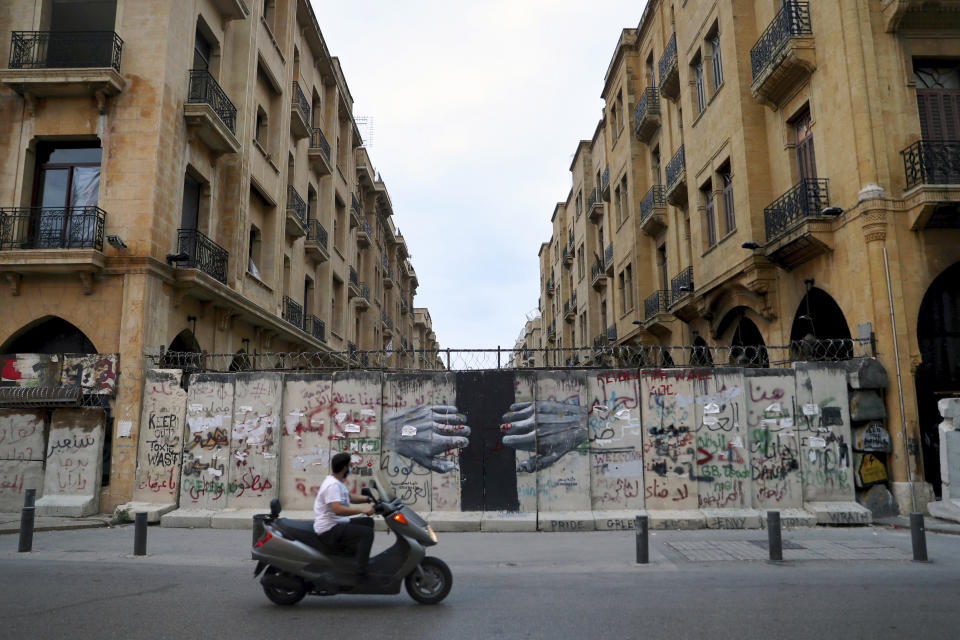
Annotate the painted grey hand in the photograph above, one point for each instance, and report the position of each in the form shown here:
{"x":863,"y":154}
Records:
{"x":547,"y":429}
{"x":425,"y":433}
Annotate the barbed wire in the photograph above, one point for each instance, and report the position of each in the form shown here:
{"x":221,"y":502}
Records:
{"x":600,"y":357}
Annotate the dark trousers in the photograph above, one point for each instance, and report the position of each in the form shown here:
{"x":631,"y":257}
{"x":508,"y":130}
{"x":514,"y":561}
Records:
{"x":355,"y":536}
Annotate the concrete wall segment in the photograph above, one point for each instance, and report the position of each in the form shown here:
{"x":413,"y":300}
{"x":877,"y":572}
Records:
{"x":252,"y":476}
{"x":74,"y":463}
{"x":305,"y":441}
{"x":206,"y":453}
{"x":161,"y":437}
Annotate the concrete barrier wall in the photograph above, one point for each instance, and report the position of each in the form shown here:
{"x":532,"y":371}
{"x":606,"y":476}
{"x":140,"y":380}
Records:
{"x":73,"y":468}
{"x":554,"y":450}
{"x":22,"y":448}
{"x":161,"y":438}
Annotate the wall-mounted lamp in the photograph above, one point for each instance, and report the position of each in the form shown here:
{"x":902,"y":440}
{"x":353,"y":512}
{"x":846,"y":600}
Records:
{"x":193,"y":319}
{"x":177,"y":257}
{"x":685,"y":288}
{"x":116,"y":242}
{"x":831,"y":211}
{"x":750,"y":245}
{"x":808,"y":283}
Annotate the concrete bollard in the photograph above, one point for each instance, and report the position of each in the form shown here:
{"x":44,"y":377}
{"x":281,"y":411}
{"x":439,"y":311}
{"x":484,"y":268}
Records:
{"x":918,"y":534}
{"x":774,"y":540}
{"x":140,"y":534}
{"x":643,"y":541}
{"x":26,"y":521}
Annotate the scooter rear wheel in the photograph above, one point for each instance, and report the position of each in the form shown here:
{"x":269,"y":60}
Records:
{"x":435,"y":583}
{"x":282,"y":596}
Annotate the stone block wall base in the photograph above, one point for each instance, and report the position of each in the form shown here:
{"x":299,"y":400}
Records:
{"x":127,"y":512}
{"x":187,"y":518}
{"x":668,"y":519}
{"x":791,"y":518}
{"x":236,"y":518}
{"x":904,"y":496}
{"x":68,"y":506}
{"x":839,"y":513}
{"x":945,"y":509}
{"x":732,"y":518}
{"x":453,"y":520}
{"x":616,"y":520}
{"x":566,"y":521}
{"x":508,"y":521}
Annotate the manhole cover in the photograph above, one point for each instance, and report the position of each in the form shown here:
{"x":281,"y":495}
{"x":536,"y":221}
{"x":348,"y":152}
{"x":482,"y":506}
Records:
{"x":786,"y":544}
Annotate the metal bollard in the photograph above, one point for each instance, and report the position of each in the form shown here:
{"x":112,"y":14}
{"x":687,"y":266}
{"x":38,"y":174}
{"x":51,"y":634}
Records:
{"x":26,"y":520}
{"x":919,"y":536}
{"x":774,"y":541}
{"x":643,"y":542}
{"x":140,"y":534}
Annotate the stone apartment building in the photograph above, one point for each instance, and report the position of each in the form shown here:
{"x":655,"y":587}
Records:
{"x":768,"y":171}
{"x":188,"y":175}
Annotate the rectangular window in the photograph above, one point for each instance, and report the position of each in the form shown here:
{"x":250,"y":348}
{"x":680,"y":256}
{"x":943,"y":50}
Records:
{"x":580,"y":263}
{"x":698,"y":83}
{"x":579,"y":203}
{"x":620,"y":110}
{"x":623,"y":194}
{"x":583,"y":328}
{"x":629,"y":285}
{"x":621,"y":290}
{"x":716,"y":61}
{"x":729,"y":218}
{"x":616,"y":199}
{"x":710,"y":228}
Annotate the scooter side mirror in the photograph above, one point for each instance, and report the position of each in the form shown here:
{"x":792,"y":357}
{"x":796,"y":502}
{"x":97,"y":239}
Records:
{"x":366,"y":492}
{"x":275,"y":507}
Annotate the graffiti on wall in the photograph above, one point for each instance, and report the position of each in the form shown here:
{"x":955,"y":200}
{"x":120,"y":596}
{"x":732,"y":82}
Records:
{"x":160,"y":447}
{"x":73,"y":453}
{"x":252,"y":466}
{"x":823,"y":426}
{"x":206,"y":451}
{"x":669,"y":437}
{"x":21,"y":455}
{"x":615,"y":436}
{"x":305,"y":441}
{"x":95,"y":374}
{"x":722,"y":470}
{"x":30,"y":370}
{"x":774,"y":443}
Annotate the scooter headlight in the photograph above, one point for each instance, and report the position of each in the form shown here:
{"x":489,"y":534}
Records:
{"x":433,"y":536}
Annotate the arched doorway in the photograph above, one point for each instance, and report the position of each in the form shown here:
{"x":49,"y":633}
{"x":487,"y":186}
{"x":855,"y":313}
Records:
{"x":938,"y":375}
{"x":818,"y":327}
{"x":748,"y":346}
{"x":49,"y":335}
{"x":185,"y":342}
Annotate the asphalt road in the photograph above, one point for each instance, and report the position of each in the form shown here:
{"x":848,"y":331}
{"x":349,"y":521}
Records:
{"x":198,"y":583}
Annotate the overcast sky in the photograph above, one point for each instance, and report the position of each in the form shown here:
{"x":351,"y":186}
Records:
{"x":477,"y":109}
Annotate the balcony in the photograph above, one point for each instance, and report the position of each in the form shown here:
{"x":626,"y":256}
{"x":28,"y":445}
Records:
{"x":296,"y":226}
{"x":353,"y":284}
{"x":932,"y":197}
{"x":669,"y":70}
{"x":316,"y":244}
{"x":356,"y":212}
{"x":797,"y":230}
{"x":64,"y":63}
{"x":653,"y":211}
{"x":300,"y":114}
{"x":598,"y":276}
{"x":363,"y":234}
{"x":921,"y":15}
{"x":681,"y":295}
{"x":550,"y":287}
{"x":292,"y":312}
{"x":611,"y":334}
{"x":608,"y":260}
{"x":676,"y":174}
{"x":567,"y":256}
{"x":600,"y":340}
{"x":387,"y":276}
{"x":552,"y":332}
{"x":605,"y":184}
{"x":646,"y":115}
{"x":319,"y":153}
{"x":363,"y":297}
{"x":387,"y":324}
{"x":570,"y":310}
{"x":656,"y":313}
{"x":316,"y":328}
{"x":209,"y":112}
{"x":595,"y":205}
{"x":41,"y":239}
{"x":197,"y":251}
{"x":784,"y":55}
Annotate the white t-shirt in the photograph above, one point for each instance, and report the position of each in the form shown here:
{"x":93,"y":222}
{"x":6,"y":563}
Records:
{"x":332,"y":490}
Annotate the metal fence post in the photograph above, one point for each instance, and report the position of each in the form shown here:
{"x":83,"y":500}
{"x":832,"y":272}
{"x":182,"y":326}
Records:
{"x":774,"y":540}
{"x":448,"y":358}
{"x":918,"y":535}
{"x":26,"y":521}
{"x":498,"y":356}
{"x":140,"y":534}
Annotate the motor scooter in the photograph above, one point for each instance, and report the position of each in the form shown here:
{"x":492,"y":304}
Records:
{"x":295,"y":563}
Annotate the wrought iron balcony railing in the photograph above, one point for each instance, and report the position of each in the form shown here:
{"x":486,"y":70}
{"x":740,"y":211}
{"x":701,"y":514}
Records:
{"x":648,"y":104}
{"x":52,"y":228}
{"x":296,"y":204}
{"x":668,"y":59}
{"x":807,"y":198}
{"x":659,"y":302}
{"x":316,"y":327}
{"x":608,"y":256}
{"x":354,"y":204}
{"x":387,"y":320}
{"x":675,"y":167}
{"x":65,"y":50}
{"x":605,"y":179}
{"x":364,"y":292}
{"x":594,"y":199}
{"x":932,"y":162}
{"x":292,"y":312}
{"x":205,"y":90}
{"x":319,"y":141}
{"x":793,"y":19}
{"x":654,"y":199}
{"x":202,"y":253}
{"x":316,"y":233}
{"x":597,"y":271}
{"x":681,"y":285}
{"x":300,"y":102}
{"x":354,"y":278}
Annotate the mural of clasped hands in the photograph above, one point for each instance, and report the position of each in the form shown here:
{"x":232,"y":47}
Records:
{"x":424,"y":434}
{"x":548,"y":429}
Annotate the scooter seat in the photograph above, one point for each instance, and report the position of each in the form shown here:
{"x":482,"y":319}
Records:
{"x":302,"y":531}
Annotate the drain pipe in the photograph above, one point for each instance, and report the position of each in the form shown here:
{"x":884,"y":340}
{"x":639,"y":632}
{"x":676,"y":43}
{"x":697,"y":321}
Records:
{"x":896,"y":353}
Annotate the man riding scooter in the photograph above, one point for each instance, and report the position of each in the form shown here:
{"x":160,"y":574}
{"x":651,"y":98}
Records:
{"x":332,"y":512}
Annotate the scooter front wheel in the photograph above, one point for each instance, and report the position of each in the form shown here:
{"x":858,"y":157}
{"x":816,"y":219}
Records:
{"x":432,"y":583}
{"x":288,"y":594}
